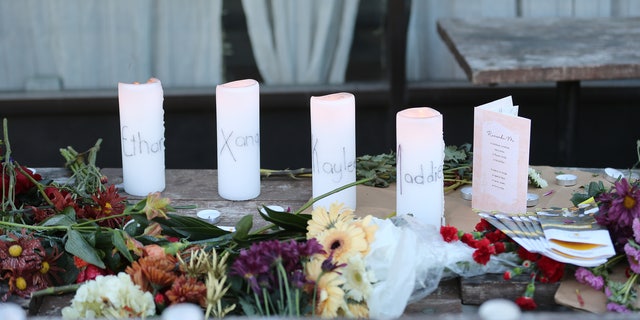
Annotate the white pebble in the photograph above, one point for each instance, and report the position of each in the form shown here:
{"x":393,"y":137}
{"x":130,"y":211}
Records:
{"x":183,"y":311}
{"x":12,"y":311}
{"x":499,"y":309}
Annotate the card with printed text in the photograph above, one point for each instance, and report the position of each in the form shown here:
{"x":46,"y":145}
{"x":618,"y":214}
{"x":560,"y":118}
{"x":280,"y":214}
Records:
{"x":500,"y":158}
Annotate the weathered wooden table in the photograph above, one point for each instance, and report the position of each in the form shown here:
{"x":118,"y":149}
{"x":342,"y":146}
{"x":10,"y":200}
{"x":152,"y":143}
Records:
{"x":562,"y":50}
{"x":453,"y":296}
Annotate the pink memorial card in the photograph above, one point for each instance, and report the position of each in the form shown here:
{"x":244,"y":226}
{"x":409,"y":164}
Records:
{"x":500,"y":158}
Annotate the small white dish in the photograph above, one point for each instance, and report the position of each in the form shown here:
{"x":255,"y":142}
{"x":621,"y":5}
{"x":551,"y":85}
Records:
{"x":211,"y":215}
{"x":612,"y":175}
{"x":566,"y":180}
{"x":466,"y":192}
{"x":532,"y":199}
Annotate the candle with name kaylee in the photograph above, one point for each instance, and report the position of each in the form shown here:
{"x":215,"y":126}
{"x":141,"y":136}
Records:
{"x":420,"y":158}
{"x":333,"y":148}
{"x":238,"y":137}
{"x":142,"y":137}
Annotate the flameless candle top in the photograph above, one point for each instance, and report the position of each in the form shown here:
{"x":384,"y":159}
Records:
{"x":419,"y":113}
{"x":241,"y":93}
{"x":334,"y":100}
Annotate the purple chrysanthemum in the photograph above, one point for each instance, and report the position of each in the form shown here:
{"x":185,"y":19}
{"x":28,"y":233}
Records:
{"x":612,"y":306}
{"x":619,"y":209}
{"x":258,"y":263}
{"x":633,"y":256}
{"x":585,"y":276}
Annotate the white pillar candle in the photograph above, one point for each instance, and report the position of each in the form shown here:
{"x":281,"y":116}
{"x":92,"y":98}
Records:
{"x":238,"y":132}
{"x":420,"y":158}
{"x":333,"y":148}
{"x":142,"y":137}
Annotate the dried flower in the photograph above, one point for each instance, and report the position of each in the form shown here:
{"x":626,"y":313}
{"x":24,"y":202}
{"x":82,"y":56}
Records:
{"x":156,"y":206}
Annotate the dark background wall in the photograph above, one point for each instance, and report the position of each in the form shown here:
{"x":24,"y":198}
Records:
{"x":42,"y":122}
{"x":607,"y":128}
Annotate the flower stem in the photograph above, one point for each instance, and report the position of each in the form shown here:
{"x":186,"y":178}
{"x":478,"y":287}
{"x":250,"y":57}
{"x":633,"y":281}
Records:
{"x":56,"y":290}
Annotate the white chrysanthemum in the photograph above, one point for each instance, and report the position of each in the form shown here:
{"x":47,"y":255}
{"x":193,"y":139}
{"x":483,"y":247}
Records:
{"x":358,"y":281}
{"x":110,"y":296}
{"x":536,"y":179}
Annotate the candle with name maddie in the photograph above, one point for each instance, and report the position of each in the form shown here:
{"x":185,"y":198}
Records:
{"x":420,"y":158}
{"x":142,"y":137}
{"x":238,"y":137}
{"x":333,"y":148}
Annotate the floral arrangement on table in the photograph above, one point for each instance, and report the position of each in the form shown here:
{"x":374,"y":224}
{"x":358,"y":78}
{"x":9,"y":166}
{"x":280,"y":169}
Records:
{"x":81,"y":235}
{"x":619,"y":211}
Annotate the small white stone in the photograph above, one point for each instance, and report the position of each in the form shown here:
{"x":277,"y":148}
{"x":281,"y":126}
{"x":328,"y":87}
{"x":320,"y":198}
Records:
{"x":183,"y":311}
{"x":12,"y":311}
{"x":499,"y":309}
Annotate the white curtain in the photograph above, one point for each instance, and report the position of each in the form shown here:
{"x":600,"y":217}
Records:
{"x":86,"y":45}
{"x":301,"y":41}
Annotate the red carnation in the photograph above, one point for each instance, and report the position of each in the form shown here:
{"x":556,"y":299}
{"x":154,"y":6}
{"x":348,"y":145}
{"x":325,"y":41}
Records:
{"x":468,"y":239}
{"x":449,"y":233}
{"x":495,"y":236}
{"x":526,"y":303}
{"x":483,"y":253}
{"x":552,"y":271}
{"x":499,"y":247}
{"x":483,"y":225}
{"x":524,"y":254}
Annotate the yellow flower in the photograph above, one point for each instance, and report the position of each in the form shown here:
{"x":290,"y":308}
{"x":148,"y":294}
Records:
{"x":358,"y":310}
{"x":329,"y":295}
{"x":322,"y":220}
{"x":343,"y":241}
{"x":369,"y":230}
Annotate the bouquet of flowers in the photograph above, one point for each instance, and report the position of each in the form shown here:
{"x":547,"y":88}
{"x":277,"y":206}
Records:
{"x":619,"y":211}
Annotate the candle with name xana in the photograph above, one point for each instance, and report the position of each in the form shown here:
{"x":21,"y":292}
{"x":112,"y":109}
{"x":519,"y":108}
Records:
{"x":333,"y":148}
{"x":420,"y":158}
{"x":142,"y":137}
{"x":238,"y":137}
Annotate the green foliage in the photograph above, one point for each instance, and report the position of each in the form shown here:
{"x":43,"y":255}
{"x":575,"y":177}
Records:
{"x":594,"y":189}
{"x":382,"y":168}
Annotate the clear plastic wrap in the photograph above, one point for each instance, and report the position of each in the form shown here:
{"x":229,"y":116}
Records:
{"x":410,"y":259}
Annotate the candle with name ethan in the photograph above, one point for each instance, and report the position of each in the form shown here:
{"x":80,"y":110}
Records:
{"x":333,"y":148}
{"x":238,"y":139}
{"x":142,"y":137}
{"x":420,"y":158}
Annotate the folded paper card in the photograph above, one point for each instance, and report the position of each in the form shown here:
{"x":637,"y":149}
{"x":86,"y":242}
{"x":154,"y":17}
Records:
{"x":569,"y":235}
{"x":501,"y":157}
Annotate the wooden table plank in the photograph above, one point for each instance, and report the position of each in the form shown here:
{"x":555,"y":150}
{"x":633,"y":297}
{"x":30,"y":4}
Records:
{"x":563,"y":50}
{"x":511,"y":50}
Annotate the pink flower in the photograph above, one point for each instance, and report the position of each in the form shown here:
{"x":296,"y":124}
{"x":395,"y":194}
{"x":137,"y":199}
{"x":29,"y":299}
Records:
{"x":636,"y":229}
{"x":585,"y":276}
{"x":633,"y":256}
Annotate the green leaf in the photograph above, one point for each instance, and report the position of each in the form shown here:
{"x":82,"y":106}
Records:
{"x":58,"y":220}
{"x":193,"y":228}
{"x":78,"y":246}
{"x":285,"y":220}
{"x":120,"y":244}
{"x":243,"y":227}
